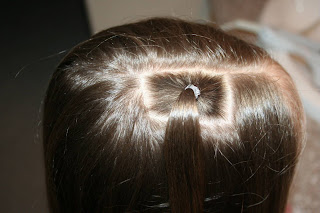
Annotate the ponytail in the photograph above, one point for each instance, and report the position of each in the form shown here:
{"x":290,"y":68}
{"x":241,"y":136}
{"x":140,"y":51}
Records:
{"x":183,"y":155}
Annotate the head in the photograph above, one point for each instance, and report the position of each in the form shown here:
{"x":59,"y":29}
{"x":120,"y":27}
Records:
{"x":122,"y":133}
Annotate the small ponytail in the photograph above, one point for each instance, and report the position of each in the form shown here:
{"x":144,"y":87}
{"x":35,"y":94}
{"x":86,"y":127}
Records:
{"x":183,"y":155}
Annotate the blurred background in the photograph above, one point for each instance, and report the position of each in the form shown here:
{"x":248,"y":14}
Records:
{"x":36,"y":35}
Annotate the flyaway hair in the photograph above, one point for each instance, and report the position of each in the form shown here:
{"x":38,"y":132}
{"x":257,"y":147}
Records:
{"x":123,"y":132}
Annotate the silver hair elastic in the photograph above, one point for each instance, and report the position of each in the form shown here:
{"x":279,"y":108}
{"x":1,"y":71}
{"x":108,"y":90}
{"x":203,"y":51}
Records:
{"x":195,"y":89}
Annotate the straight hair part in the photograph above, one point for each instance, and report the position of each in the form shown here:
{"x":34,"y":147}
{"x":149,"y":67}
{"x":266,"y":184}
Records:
{"x":121,"y":132}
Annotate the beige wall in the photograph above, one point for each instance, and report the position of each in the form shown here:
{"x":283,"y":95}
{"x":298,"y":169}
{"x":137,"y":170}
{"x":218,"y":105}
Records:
{"x":107,"y":13}
{"x":298,"y":16}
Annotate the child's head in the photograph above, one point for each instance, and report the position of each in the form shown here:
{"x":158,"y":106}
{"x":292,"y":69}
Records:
{"x":122,"y":133}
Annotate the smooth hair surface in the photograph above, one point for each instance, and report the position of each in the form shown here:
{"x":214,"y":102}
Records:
{"x":123,"y":134}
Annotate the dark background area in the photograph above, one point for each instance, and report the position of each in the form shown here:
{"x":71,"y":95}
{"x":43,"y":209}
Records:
{"x":33,"y":34}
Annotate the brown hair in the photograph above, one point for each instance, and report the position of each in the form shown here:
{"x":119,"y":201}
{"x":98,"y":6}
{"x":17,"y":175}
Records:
{"x":122,"y":134}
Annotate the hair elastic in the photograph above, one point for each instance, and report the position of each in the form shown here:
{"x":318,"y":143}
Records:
{"x":195,"y":89}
